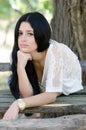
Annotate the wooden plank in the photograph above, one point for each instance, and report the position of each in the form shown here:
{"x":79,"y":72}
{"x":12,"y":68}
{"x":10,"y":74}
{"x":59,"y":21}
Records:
{"x":71,"y":104}
{"x":5,"y":92}
{"x":60,"y":100}
{"x":5,"y":66}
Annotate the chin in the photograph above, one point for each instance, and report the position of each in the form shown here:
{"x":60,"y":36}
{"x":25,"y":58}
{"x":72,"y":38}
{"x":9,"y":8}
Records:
{"x":24,"y":50}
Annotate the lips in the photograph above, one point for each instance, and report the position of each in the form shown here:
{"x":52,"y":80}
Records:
{"x":23,"y":45}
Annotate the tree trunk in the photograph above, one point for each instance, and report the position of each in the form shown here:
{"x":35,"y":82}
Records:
{"x":68,"y":25}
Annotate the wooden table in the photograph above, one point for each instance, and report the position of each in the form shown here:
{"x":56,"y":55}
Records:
{"x":64,"y":105}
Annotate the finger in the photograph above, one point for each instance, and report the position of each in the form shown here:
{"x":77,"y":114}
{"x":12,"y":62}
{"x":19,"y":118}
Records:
{"x":29,"y":57}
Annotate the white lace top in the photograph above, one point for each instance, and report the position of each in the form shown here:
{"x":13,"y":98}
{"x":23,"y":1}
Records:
{"x":62,"y":71}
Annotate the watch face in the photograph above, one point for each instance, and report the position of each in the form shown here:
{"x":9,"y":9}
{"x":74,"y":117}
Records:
{"x":21,"y":104}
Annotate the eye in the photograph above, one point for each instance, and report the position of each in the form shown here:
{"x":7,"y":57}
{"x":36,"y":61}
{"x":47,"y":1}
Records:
{"x":30,"y":34}
{"x":20,"y":33}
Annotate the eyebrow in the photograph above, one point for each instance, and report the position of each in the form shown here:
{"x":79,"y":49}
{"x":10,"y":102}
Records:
{"x":27,"y":30}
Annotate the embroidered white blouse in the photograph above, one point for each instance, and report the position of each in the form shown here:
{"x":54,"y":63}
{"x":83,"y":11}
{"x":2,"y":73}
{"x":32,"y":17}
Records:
{"x":62,"y":71}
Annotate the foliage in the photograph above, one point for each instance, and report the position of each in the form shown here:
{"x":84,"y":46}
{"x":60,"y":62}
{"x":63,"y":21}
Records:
{"x":5,"y":9}
{"x":12,"y":8}
{"x":32,"y":5}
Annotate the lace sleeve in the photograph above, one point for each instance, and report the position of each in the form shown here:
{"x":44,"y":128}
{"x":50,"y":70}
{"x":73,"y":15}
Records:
{"x":62,"y":71}
{"x":53,"y":72}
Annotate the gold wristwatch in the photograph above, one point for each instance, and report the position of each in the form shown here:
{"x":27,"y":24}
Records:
{"x":21,"y":104}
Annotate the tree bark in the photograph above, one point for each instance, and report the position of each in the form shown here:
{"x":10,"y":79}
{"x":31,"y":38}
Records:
{"x":68,"y":25}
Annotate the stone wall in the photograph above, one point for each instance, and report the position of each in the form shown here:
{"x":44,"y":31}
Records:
{"x":70,"y":122}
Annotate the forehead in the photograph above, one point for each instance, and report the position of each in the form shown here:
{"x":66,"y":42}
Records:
{"x":25,"y":26}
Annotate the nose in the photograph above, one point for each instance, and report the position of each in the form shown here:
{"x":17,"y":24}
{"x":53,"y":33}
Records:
{"x":23,"y":37}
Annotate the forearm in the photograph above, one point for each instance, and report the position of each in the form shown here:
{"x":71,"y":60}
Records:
{"x":41,"y":99}
{"x":33,"y":101}
{"x":24,"y":84}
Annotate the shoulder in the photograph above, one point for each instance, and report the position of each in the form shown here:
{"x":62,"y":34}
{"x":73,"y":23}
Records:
{"x":54,"y":45}
{"x":60,"y":50}
{"x":57,"y":47}
{"x":53,"y":42}
{"x":60,"y":47}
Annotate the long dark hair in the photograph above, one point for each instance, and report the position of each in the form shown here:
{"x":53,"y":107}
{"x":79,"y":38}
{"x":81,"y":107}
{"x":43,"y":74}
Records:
{"x":42,"y":34}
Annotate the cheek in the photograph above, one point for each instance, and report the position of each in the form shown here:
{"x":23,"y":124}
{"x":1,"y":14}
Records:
{"x":18,"y":42}
{"x":35,"y":46}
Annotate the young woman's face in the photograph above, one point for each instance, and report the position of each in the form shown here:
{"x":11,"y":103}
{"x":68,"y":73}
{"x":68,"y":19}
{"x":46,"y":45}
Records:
{"x":26,"y":40}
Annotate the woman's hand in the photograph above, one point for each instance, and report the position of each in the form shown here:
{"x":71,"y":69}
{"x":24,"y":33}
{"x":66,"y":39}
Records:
{"x":23,"y":58}
{"x":12,"y":112}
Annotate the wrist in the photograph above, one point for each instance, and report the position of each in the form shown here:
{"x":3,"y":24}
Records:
{"x":21,"y":104}
{"x":20,"y":69}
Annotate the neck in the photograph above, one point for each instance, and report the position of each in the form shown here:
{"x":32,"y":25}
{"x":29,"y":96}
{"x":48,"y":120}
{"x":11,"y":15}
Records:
{"x":39,"y":57}
{"x":39,"y":61}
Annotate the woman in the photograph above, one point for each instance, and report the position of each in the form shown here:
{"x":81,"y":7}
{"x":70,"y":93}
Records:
{"x":42,"y":68}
